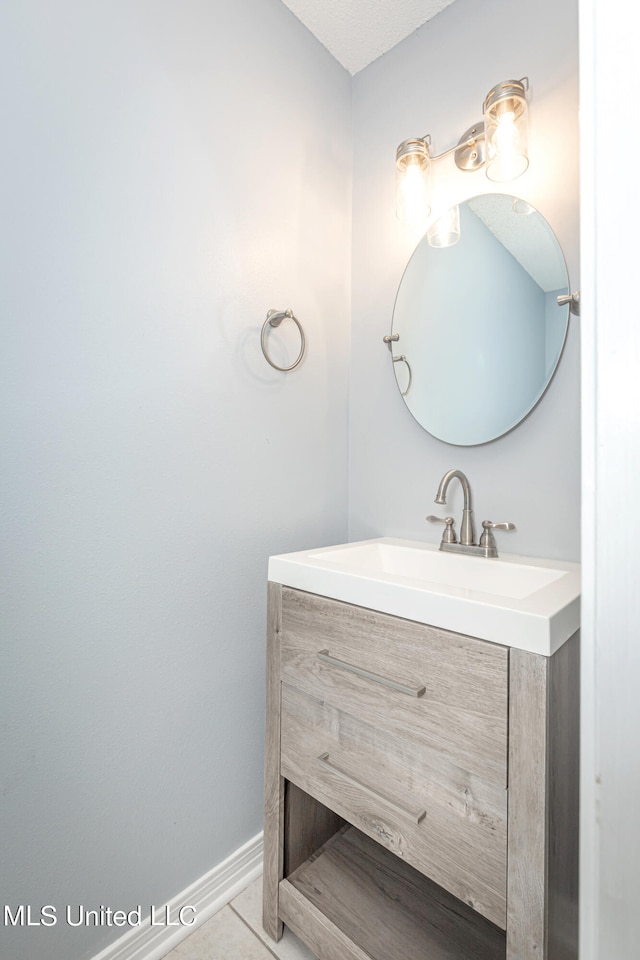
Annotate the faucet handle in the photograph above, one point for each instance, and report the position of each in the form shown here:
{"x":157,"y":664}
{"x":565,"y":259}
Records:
{"x":449,"y":534}
{"x":487,"y":539}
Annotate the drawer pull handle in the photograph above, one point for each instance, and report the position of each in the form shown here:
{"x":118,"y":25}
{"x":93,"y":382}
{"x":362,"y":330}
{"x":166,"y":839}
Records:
{"x":361,"y":672}
{"x":417,"y":816}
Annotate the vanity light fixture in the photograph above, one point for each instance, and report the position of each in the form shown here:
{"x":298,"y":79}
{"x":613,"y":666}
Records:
{"x":499,"y":144}
{"x":413,"y":179}
{"x":505,"y":122}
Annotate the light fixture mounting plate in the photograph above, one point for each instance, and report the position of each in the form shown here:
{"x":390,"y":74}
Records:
{"x":470,"y":154}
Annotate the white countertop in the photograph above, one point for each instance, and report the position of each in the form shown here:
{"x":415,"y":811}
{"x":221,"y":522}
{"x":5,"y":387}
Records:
{"x":525,"y":602}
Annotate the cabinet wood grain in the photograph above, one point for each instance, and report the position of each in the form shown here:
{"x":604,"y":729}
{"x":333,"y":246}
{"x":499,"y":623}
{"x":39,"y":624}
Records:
{"x":527,"y":803}
{"x":273,"y":781}
{"x":563,"y":800}
{"x":462,"y":715}
{"x":421,"y":789}
{"x":389,"y":910}
{"x":460,"y":841}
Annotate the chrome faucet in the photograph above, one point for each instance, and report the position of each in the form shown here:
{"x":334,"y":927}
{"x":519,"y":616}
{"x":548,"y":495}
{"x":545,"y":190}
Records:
{"x":487,"y":546}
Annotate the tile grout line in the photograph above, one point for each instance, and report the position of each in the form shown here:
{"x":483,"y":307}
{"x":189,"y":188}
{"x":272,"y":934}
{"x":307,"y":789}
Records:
{"x":249,"y":927}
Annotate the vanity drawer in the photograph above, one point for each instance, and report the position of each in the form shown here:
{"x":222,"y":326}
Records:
{"x":444,"y":692}
{"x":446,"y":823}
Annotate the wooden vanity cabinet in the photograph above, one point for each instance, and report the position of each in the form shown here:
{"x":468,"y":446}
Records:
{"x":421,"y":789}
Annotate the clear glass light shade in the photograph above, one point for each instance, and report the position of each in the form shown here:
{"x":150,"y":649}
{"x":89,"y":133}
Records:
{"x":445,"y":231}
{"x":413,"y":175}
{"x":505,"y":122}
{"x":522,"y":208}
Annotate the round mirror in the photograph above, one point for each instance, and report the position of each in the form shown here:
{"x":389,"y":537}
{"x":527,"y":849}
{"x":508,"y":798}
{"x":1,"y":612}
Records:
{"x":477,"y":330}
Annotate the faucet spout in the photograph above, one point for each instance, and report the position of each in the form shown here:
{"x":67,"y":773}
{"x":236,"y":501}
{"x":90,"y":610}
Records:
{"x":467,"y":535}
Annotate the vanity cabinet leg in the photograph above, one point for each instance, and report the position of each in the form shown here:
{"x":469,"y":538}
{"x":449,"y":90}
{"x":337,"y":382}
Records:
{"x":543,"y":836}
{"x":564,"y":801}
{"x":274,"y":783}
{"x":526,"y":856}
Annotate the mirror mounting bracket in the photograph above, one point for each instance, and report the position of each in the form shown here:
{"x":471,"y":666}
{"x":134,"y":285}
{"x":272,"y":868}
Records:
{"x":573,"y":299}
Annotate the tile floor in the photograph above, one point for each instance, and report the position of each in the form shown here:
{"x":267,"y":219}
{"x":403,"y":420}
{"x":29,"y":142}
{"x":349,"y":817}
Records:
{"x":235,"y":933}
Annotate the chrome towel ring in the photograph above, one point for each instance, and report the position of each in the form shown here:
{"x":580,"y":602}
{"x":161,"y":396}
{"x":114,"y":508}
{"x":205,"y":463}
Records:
{"x":274,"y":319}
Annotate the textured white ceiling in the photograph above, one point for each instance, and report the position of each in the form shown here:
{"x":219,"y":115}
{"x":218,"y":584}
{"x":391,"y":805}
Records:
{"x":527,"y":238}
{"x":357,"y":32}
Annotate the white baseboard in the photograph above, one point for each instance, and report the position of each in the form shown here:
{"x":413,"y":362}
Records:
{"x":206,"y":896}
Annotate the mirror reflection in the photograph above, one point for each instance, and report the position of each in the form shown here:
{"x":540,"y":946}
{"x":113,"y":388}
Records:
{"x":480,"y":332}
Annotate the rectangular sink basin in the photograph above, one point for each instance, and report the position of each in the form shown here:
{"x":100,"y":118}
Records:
{"x":523,"y":602}
{"x":498,"y":577}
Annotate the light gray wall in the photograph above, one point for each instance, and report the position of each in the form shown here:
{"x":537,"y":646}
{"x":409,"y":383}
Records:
{"x":434,"y":82}
{"x":170,"y":170}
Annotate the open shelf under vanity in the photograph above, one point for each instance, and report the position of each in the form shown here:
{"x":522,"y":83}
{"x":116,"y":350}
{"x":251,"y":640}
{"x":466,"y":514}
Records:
{"x":354,"y":900}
